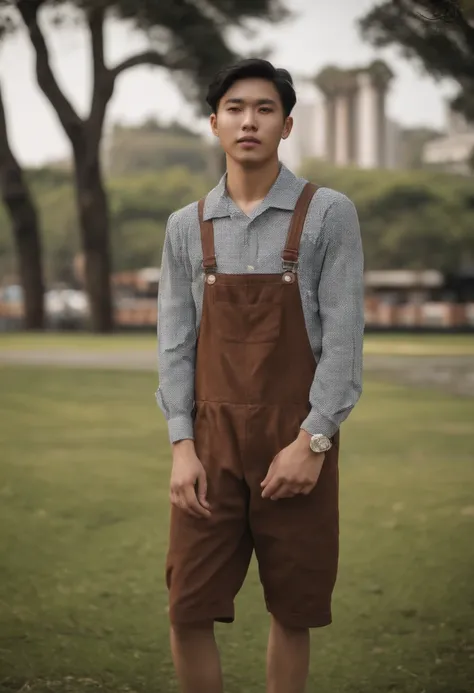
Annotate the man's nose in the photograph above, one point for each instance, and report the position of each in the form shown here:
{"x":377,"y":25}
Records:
{"x":250,"y":122}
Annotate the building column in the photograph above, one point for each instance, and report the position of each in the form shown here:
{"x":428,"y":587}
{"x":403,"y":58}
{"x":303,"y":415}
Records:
{"x":342,"y":125}
{"x":330,"y":118}
{"x":366,"y":124}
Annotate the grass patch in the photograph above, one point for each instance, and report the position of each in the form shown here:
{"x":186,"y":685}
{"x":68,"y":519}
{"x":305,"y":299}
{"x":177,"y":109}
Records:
{"x":386,"y":343}
{"x":84,"y":517}
{"x":420,"y":344}
{"x":77,"y":341}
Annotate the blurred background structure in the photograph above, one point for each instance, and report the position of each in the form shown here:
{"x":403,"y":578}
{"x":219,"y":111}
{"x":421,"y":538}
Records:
{"x":103,"y":134}
{"x":400,"y":145}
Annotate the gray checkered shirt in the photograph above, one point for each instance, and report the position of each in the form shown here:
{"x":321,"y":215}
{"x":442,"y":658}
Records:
{"x":331,"y":284}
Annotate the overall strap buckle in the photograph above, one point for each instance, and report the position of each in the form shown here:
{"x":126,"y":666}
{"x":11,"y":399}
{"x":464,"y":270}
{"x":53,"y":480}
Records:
{"x":289,"y":265}
{"x":209,"y":265}
{"x":289,"y":260}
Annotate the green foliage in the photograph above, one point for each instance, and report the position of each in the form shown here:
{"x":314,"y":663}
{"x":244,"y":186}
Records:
{"x":412,"y":144}
{"x":409,"y":219}
{"x":194,"y":33}
{"x":155,"y":147}
{"x":439,"y":34}
{"x":139,"y":208}
{"x":188,"y":38}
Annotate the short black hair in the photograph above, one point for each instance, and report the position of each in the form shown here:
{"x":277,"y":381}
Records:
{"x":252,"y":68}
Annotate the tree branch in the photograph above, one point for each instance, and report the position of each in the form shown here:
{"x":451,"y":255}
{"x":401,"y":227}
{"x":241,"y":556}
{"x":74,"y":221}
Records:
{"x":5,"y":151}
{"x":466,"y":28}
{"x":103,"y":85}
{"x":449,"y":12}
{"x":68,"y":117}
{"x":145,"y":58}
{"x":95,"y":20}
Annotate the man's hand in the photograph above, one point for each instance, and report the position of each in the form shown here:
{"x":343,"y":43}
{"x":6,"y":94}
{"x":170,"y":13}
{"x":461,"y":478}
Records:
{"x":295,"y":470}
{"x":188,"y":486}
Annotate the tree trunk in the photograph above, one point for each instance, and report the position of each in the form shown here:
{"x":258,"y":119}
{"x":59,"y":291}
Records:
{"x":24,"y":219}
{"x":94,"y":228}
{"x":85,"y":137}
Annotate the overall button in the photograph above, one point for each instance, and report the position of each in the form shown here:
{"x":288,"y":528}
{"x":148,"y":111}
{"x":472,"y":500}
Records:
{"x":211,"y":279}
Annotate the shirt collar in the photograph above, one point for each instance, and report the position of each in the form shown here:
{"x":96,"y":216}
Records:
{"x":283,"y":194}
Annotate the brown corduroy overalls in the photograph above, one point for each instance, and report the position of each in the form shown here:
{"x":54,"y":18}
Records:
{"x":254,"y":370}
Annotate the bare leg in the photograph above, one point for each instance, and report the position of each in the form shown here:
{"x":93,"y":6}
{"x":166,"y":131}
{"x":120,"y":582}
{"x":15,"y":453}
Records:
{"x":287,"y":659}
{"x":196,"y":659}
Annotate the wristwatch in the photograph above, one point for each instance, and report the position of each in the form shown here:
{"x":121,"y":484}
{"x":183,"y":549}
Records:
{"x":320,"y":443}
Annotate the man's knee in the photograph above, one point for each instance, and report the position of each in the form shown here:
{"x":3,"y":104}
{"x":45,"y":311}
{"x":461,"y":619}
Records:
{"x":190,"y":631}
{"x":289,"y":628}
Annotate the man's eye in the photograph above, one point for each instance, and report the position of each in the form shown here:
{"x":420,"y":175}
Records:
{"x":265,"y":109}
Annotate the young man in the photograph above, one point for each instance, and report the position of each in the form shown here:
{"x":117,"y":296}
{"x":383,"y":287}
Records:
{"x":260,"y":328}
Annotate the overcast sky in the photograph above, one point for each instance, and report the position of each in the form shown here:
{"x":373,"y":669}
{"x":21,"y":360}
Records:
{"x":322,"y":32}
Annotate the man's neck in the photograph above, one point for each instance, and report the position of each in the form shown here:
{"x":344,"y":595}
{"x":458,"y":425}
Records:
{"x":249,"y":186}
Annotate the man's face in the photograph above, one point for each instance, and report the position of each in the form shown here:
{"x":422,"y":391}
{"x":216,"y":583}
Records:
{"x":250,"y":121}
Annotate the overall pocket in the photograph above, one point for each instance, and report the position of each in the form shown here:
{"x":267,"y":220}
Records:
{"x":250,"y":314}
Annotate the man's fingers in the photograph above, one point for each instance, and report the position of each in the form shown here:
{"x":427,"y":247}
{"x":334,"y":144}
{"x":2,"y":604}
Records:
{"x":185,"y":499}
{"x":272,"y":487}
{"x":201,"y":490}
{"x":283,"y":491}
{"x":270,"y":473}
{"x":182,"y":504}
{"x":192,"y":503}
{"x":289,"y":491}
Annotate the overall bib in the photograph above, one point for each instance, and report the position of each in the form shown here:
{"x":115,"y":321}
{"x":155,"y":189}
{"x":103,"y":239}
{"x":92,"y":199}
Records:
{"x":254,"y":370}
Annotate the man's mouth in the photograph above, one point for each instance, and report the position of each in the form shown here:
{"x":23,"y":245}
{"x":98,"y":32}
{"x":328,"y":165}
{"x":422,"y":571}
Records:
{"x":248,"y":141}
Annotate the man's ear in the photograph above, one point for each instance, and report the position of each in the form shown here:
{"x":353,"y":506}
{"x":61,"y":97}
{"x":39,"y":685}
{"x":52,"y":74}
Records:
{"x":287,"y":128}
{"x":213,"y":124}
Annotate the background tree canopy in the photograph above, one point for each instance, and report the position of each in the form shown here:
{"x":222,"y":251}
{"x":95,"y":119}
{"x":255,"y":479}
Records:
{"x":409,"y":219}
{"x":439,"y":33}
{"x":187,"y":37}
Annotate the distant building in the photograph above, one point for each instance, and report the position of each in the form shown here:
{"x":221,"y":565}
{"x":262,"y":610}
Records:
{"x":454,"y":151}
{"x":341,"y":118}
{"x":420,"y":299}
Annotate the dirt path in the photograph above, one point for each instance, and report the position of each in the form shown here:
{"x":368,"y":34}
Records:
{"x":138,"y":359}
{"x":453,"y":374}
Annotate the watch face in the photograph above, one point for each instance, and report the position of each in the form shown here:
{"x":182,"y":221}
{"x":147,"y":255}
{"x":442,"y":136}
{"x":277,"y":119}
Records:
{"x":320,"y":443}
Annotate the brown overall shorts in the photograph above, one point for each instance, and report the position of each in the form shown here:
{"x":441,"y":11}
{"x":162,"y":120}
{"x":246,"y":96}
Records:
{"x":254,"y":370}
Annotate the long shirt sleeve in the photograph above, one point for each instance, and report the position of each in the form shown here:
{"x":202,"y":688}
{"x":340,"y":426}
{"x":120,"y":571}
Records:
{"x":337,"y":384}
{"x":176,"y":336}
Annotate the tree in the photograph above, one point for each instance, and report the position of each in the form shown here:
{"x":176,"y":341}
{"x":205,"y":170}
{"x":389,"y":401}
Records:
{"x":413,"y":141}
{"x":190,"y":40}
{"x":409,"y":219}
{"x":24,"y":220}
{"x":155,"y":147}
{"x":440,"y":33}
{"x":471,"y":161}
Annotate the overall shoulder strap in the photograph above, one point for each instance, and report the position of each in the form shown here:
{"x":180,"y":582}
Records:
{"x":207,"y":240}
{"x":290,"y":253}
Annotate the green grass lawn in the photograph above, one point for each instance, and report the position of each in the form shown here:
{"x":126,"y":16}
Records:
{"x":408,"y":344}
{"x":84,"y":514}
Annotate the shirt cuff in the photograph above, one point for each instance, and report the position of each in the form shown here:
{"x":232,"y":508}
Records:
{"x":317,"y":423}
{"x":181,"y":428}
